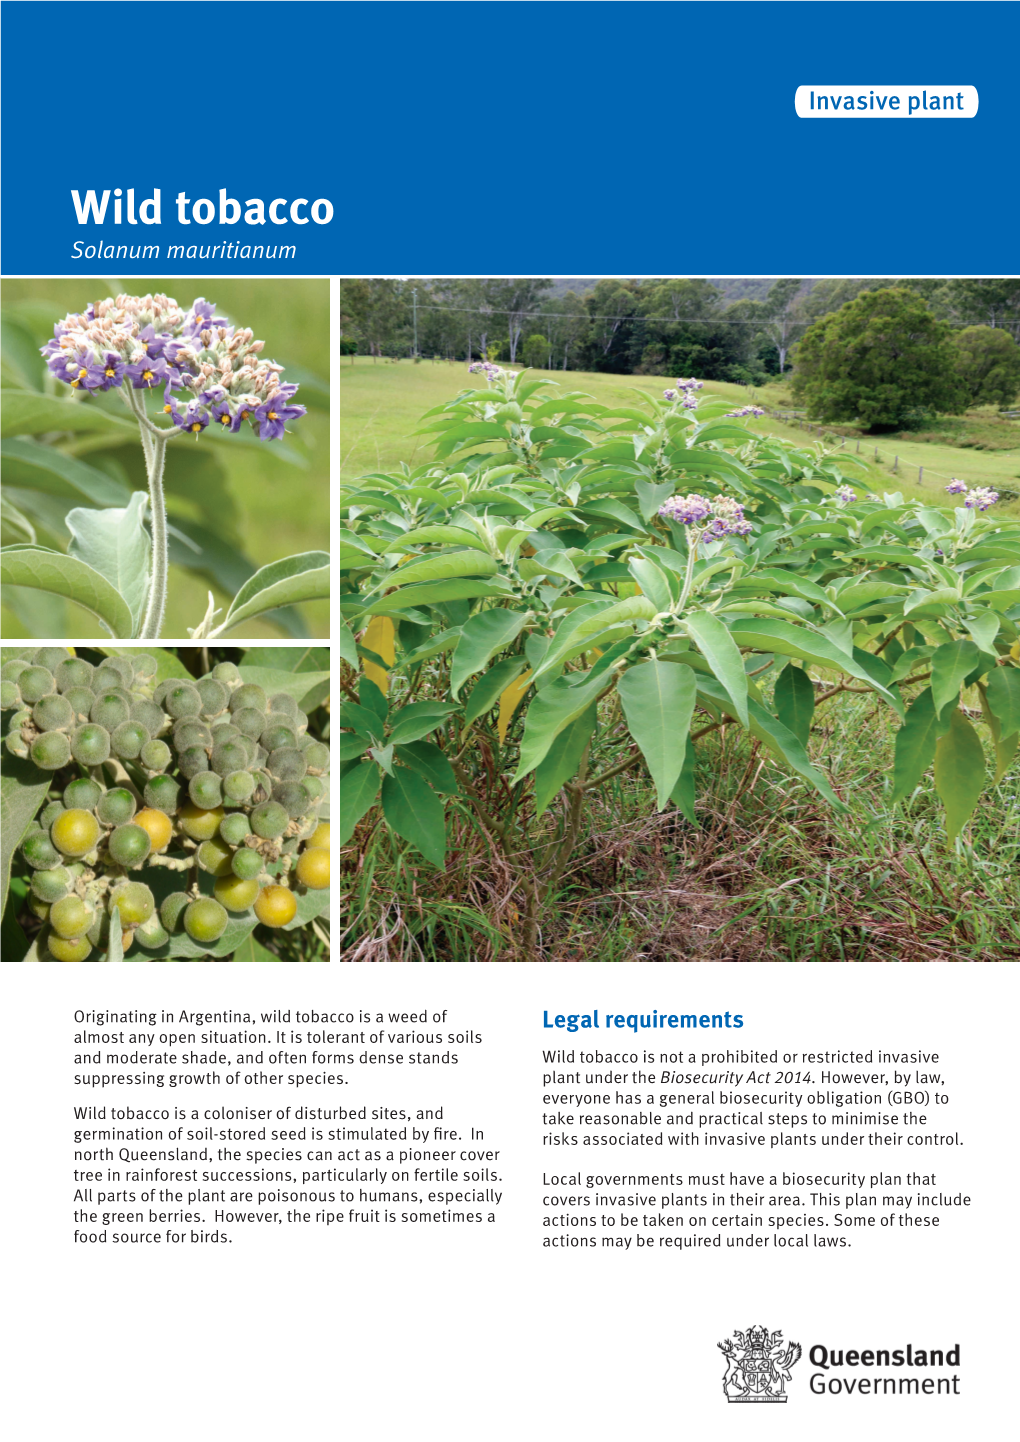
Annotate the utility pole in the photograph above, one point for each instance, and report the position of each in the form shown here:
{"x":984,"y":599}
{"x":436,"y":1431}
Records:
{"x":414,"y":302}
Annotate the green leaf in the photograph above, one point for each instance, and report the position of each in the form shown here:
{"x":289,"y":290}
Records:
{"x":650,"y":497}
{"x":43,"y":468}
{"x":684,"y":791}
{"x":1003,"y":693}
{"x":448,"y":566}
{"x":578,"y":631}
{"x":720,"y":650}
{"x":482,"y":636}
{"x":23,"y":788}
{"x":795,"y":701}
{"x":658,"y":702}
{"x":115,"y":543}
{"x":180,"y":946}
{"x":372,"y":698}
{"x":553,"y":709}
{"x":115,"y":945}
{"x":289,"y":658}
{"x":652,"y":580}
{"x":959,"y":772}
{"x":419,"y":719}
{"x":488,"y":688}
{"x":351,"y":797}
{"x":915,"y":744}
{"x":167,"y":664}
{"x":282,"y":583}
{"x":430,"y":762}
{"x":65,"y":576}
{"x":252,"y":950}
{"x":345,"y":644}
{"x":563,"y":758}
{"x":785,"y":639}
{"x":27,"y":413}
{"x":308,"y":688}
{"x":950,"y":663}
{"x":431,"y":593}
{"x":437,"y":536}
{"x":983,"y":628}
{"x":415,"y":812}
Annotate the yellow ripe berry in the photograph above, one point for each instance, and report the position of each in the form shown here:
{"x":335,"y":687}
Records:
{"x":319,"y":837}
{"x":275,"y":906}
{"x":234,"y":893}
{"x":158,"y":825}
{"x":313,"y":868}
{"x":198,"y":824}
{"x":78,"y":948}
{"x":75,"y":832}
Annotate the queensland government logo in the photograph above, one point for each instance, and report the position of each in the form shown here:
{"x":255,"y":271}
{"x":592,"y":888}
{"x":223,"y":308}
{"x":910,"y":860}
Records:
{"x":758,"y":1365}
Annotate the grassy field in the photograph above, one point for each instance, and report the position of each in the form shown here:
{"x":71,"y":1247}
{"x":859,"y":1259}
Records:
{"x":768,"y":874}
{"x":272,"y":509}
{"x":377,"y":406}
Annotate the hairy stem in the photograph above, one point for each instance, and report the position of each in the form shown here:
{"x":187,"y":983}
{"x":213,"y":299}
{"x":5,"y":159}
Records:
{"x":156,"y":604}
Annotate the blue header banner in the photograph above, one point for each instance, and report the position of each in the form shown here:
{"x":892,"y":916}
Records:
{"x":554,"y":138}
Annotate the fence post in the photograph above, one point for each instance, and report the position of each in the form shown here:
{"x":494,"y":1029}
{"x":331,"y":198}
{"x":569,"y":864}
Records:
{"x":858,"y":445}
{"x":920,"y":475}
{"x":895,"y":464}
{"x":876,"y":455}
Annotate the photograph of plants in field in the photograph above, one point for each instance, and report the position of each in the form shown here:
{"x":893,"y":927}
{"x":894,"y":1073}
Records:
{"x":678,"y":625}
{"x":165,"y":459}
{"x":165,"y":804}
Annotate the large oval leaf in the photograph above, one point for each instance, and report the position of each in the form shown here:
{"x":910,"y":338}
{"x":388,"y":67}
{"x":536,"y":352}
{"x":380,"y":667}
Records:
{"x":42,"y":468}
{"x":64,"y":576}
{"x":22,"y":789}
{"x":27,"y":413}
{"x":482,"y":636}
{"x":282,"y":583}
{"x":658,"y":702}
{"x":415,"y":812}
{"x":115,"y":543}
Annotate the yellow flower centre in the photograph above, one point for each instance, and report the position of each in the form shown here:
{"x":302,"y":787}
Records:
{"x":168,"y":410}
{"x":147,"y":375}
{"x":225,"y":420}
{"x":110,"y":371}
{"x":273,"y":416}
{"x":197,"y":426}
{"x":82,"y":373}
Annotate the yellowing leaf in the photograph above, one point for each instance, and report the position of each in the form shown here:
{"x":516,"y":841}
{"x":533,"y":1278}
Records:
{"x":509,"y":701}
{"x":380,"y":637}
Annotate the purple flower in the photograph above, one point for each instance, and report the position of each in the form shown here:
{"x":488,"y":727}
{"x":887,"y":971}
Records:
{"x":144,"y":374}
{"x":154,"y":344}
{"x":669,"y":395}
{"x":845,"y":495}
{"x":688,"y":510}
{"x":956,"y":488}
{"x":203,"y":317}
{"x":272,"y":417}
{"x":194,"y":419}
{"x":690,"y":402}
{"x":980,"y":498}
{"x":222,"y":414}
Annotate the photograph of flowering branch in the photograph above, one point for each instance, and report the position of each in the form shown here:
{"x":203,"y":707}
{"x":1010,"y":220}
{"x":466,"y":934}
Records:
{"x":165,"y":462}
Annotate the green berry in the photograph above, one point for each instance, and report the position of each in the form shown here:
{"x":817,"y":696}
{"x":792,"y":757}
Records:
{"x":235,"y":893}
{"x":134,"y":901}
{"x":82,"y":794}
{"x":269,"y":820}
{"x":115,"y":806}
{"x":52,"y":713}
{"x":238,"y":786}
{"x":16,"y":744}
{"x":246,"y":863}
{"x":191,"y":733}
{"x":51,"y":750}
{"x":248,"y":695}
{"x":281,"y":701}
{"x":39,"y":851}
{"x":191,"y":761}
{"x":276,"y":735}
{"x":249,"y":721}
{"x":172,"y":909}
{"x":10,"y":696}
{"x":214,"y":855}
{"x":128,"y":740}
{"x":229,"y":756}
{"x":155,"y":755}
{"x":317,"y":757}
{"x":63,"y":949}
{"x":162,"y":793}
{"x":228,"y":673}
{"x":70,"y":917}
{"x":287,"y":763}
{"x":206,"y":790}
{"x":109,"y":710}
{"x":11,"y":670}
{"x":51,"y":885}
{"x":151,"y":934}
{"x":145,"y":665}
{"x":50,"y":812}
{"x":34,"y":683}
{"x":129,"y":845}
{"x":115,"y":671}
{"x":148,"y":715}
{"x":234,"y":828}
{"x":291,"y":796}
{"x":182,"y":700}
{"x":313,"y":788}
{"x":90,"y":745}
{"x":214,"y":696}
{"x":72,"y":672}
{"x":205,"y":920}
{"x":80,"y":699}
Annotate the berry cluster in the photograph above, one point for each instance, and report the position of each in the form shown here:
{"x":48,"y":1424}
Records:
{"x":229,"y":779}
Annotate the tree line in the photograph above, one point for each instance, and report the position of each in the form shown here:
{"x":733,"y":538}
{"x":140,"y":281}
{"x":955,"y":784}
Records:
{"x":638,"y":326}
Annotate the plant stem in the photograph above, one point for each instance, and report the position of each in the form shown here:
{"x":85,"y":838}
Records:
{"x":156,"y":605}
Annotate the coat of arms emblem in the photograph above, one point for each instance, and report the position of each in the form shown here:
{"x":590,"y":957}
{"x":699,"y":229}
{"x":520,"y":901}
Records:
{"x":758,"y":1365}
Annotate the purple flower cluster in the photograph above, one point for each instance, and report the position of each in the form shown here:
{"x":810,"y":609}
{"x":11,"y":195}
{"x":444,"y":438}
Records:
{"x":724,"y":516}
{"x":846,"y":495}
{"x":492,"y":372}
{"x":978,"y":499}
{"x":685,"y":388}
{"x":747,"y":411}
{"x":150,"y":341}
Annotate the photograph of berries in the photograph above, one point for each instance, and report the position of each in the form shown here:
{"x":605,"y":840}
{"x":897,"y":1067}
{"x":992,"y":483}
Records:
{"x":165,"y":804}
{"x":165,"y":459}
{"x":682,"y":619}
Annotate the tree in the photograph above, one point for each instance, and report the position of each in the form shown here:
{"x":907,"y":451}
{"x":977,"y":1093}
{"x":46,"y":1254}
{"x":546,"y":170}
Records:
{"x":987,"y":365}
{"x":535,"y":351}
{"x":989,"y":302}
{"x":782,"y":320}
{"x":566,"y":323}
{"x":880,"y":359}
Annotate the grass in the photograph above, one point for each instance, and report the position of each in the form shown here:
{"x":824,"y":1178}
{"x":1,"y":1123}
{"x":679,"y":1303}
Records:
{"x":769,"y":873}
{"x":275,"y":509}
